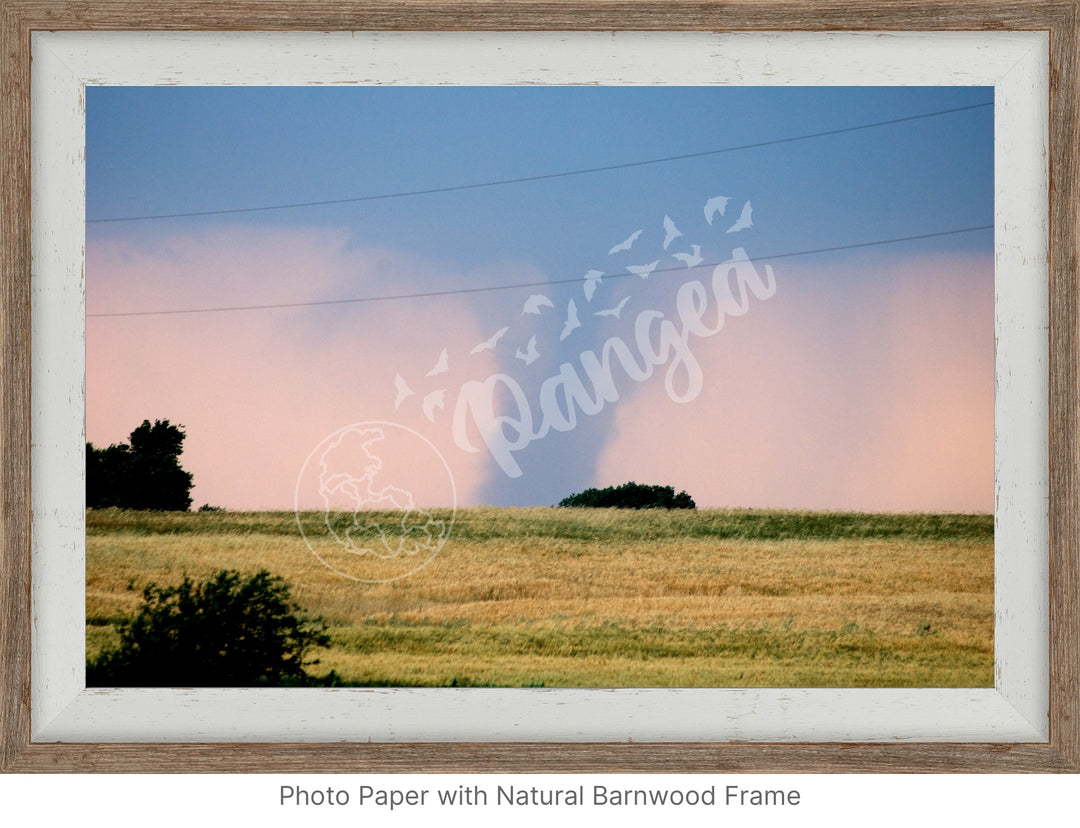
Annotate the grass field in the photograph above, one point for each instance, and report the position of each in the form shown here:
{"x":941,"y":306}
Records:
{"x":607,"y":598}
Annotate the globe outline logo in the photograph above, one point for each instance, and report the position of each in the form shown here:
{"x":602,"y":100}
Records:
{"x":413,"y":539}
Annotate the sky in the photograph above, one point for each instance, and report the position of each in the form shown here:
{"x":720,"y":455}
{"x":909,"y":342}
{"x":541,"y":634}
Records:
{"x":805,"y":319}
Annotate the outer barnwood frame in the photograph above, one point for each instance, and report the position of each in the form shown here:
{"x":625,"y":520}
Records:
{"x":1061,"y":18}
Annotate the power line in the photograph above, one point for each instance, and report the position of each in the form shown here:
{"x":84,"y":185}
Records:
{"x":541,"y":177}
{"x":521,"y":285}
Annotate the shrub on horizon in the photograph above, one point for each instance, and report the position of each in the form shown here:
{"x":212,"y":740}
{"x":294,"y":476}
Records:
{"x":630,"y":496}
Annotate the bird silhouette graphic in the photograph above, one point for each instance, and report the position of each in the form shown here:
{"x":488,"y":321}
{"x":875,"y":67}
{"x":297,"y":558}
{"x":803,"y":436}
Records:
{"x":743,"y":222}
{"x":716,"y":204}
{"x":535,"y":302}
{"x":643,"y":270}
{"x":490,"y":343}
{"x":627,"y":243}
{"x":529,"y":355}
{"x":572,"y":321}
{"x":671,"y":232}
{"x":592,"y":280}
{"x":615,"y":311}
{"x":442,"y":365}
{"x":436,"y":399}
{"x":402,"y":390}
{"x":692,"y":259}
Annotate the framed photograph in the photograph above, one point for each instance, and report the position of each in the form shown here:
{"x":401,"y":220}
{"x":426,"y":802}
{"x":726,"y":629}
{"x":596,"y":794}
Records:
{"x":534,"y":387}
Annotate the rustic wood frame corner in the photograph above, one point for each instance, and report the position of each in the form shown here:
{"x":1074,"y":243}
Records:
{"x":1060,"y":18}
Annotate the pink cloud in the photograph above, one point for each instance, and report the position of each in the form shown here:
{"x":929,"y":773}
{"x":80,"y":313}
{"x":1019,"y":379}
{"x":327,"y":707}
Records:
{"x":866,"y":388}
{"x":257,"y":390}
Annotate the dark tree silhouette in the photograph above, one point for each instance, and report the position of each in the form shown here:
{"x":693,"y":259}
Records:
{"x":631,"y":496}
{"x":231,"y":631}
{"x":145,"y":474}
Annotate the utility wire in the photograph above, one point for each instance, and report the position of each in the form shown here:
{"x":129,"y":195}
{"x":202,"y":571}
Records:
{"x":520,"y":285}
{"x":542,"y":177}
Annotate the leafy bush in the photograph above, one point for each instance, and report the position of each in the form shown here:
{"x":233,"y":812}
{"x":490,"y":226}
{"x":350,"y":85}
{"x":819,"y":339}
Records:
{"x":230,"y":631}
{"x":631,"y":496}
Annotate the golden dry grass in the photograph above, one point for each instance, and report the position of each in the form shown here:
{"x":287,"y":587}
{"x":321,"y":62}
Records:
{"x":567,"y":597}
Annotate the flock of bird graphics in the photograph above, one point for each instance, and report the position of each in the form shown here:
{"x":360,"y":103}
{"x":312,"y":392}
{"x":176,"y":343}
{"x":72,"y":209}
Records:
{"x":537,"y":303}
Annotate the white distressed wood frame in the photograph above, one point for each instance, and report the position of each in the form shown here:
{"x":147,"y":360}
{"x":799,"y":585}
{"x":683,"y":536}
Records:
{"x":1015,"y":710}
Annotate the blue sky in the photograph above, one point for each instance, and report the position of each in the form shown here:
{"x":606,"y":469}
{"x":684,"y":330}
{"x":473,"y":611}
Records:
{"x":182,"y":149}
{"x":167,"y":150}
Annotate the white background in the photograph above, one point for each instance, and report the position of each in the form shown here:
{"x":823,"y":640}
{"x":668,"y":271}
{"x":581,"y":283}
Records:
{"x":833,"y":800}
